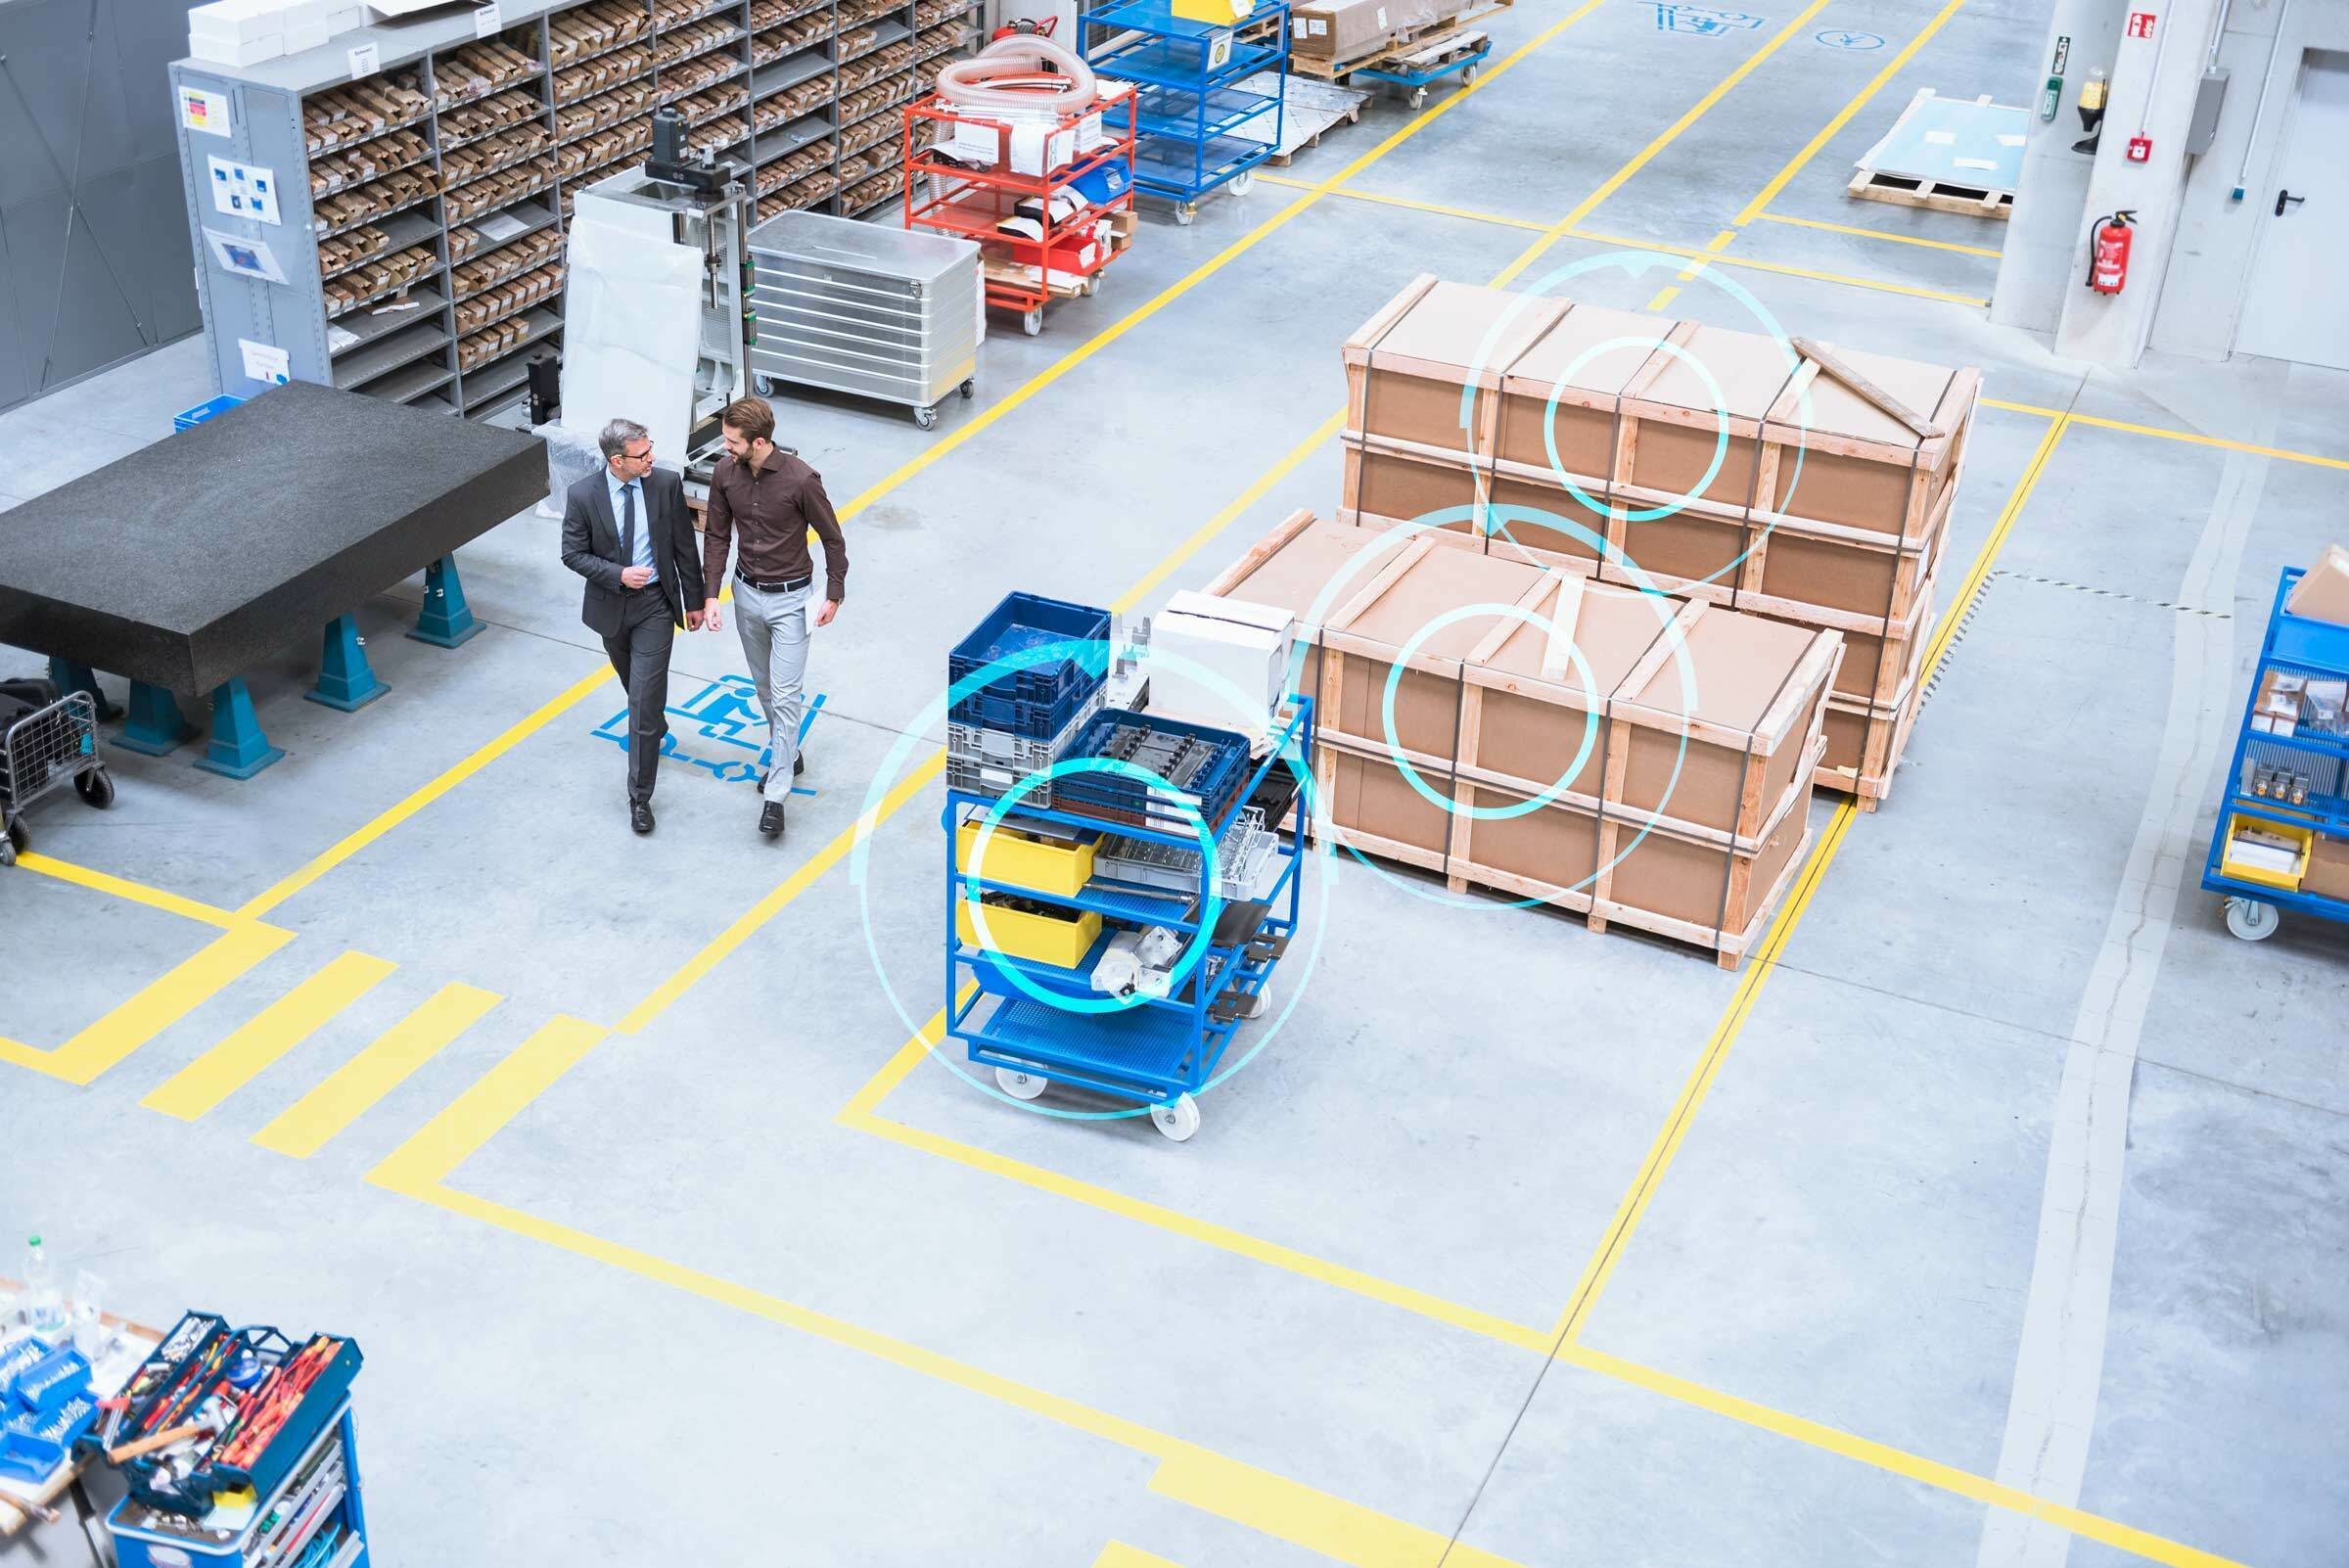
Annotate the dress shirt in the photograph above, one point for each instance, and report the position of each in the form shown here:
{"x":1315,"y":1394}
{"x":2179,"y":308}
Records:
{"x":620,"y":513}
{"x":772,"y":508}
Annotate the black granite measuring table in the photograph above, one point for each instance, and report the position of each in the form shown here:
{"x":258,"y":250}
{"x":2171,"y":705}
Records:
{"x":191,"y":561}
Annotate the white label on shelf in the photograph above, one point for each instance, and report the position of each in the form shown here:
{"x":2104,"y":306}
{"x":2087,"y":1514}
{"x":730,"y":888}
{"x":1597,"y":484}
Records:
{"x":243,"y":190}
{"x":247,"y":258}
{"x":200,"y":111}
{"x":365,"y":60}
{"x":486,"y":20}
{"x":1219,"y":51}
{"x":265,"y":362}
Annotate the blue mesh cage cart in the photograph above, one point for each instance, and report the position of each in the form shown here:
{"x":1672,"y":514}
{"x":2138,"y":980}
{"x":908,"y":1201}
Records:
{"x":1196,"y":128}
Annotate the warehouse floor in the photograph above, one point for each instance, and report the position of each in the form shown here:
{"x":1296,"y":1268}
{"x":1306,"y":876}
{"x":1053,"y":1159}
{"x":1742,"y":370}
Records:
{"x":1515,"y":1244}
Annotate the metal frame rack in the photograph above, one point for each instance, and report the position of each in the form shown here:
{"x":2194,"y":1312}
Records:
{"x":430,"y":163}
{"x":1159,"y":1050}
{"x":953,"y":197}
{"x":1197,"y":128}
{"x":2312,"y":763}
{"x":319,"y":1501}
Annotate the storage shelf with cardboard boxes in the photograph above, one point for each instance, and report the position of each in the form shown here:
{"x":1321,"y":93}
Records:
{"x":1523,"y":728}
{"x":1807,"y":483}
{"x":419,"y":164}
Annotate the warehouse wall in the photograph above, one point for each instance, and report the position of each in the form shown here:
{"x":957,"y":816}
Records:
{"x":2210,"y":265}
{"x":94,"y":260}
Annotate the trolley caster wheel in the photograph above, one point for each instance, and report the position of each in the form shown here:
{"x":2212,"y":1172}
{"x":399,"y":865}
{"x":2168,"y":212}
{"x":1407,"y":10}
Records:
{"x":764,"y":385}
{"x":1020,"y":1086}
{"x":969,"y":390}
{"x":2253,"y":919}
{"x":927,"y":418}
{"x":1031,"y":322}
{"x":1239,"y":183}
{"x":1261,"y":1003}
{"x":1179,"y":1119}
{"x":1185,"y":212}
{"x":8,"y":853}
{"x":1090,"y":287}
{"x":96,"y":788}
{"x":17,"y":837}
{"x":1418,"y":99}
{"x":1468,"y":78}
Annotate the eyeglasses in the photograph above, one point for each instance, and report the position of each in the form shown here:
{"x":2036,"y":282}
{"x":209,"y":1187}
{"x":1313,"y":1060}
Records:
{"x":639,"y":457}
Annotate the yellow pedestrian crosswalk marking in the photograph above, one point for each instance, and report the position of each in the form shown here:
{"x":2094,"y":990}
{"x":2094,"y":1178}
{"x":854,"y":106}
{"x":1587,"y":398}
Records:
{"x":474,"y":1116}
{"x":271,"y":1033}
{"x":377,"y":1071}
{"x":221,"y":962}
{"x":1117,"y":1554}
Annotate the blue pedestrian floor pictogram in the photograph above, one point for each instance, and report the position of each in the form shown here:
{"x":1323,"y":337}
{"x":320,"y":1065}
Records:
{"x":1703,"y":19}
{"x":718,"y":728}
{"x":1838,"y":38}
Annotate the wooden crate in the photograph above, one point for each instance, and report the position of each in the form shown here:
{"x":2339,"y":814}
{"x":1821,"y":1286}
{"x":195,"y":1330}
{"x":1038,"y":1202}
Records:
{"x":1413,"y":628}
{"x":1864,"y":747}
{"x":1659,"y":707}
{"x":1366,"y":804}
{"x":1310,"y":568}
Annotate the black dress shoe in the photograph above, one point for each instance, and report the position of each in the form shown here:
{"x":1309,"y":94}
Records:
{"x":770,"y":819}
{"x":640,"y":815}
{"x":798,"y":766}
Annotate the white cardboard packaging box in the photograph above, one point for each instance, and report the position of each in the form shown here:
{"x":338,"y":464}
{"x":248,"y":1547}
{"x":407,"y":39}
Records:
{"x":246,"y":52}
{"x":1203,"y":647}
{"x":301,"y":35}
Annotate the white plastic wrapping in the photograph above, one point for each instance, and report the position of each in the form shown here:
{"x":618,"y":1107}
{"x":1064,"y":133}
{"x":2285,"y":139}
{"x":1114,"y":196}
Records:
{"x":632,"y":324}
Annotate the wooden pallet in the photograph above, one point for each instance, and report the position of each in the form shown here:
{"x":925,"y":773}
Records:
{"x":1288,"y":155}
{"x":1941,"y":195}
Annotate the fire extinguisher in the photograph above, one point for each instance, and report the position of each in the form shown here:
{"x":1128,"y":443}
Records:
{"x":2108,"y":256}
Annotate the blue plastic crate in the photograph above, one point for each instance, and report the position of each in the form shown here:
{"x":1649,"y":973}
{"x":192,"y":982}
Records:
{"x":1037,"y":700}
{"x":33,"y":1446}
{"x":2311,"y":643}
{"x":1214,"y":783}
{"x":190,"y":418}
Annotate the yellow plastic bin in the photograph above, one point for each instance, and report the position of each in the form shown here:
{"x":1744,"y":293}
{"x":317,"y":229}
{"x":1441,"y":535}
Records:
{"x":1027,"y":859}
{"x":2260,"y":875}
{"x":1058,"y":937}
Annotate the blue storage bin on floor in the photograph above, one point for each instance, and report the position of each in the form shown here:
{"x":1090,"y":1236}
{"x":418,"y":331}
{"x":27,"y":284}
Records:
{"x":190,"y":418}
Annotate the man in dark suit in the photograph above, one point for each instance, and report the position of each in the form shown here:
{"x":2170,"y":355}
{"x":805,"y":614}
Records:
{"x":627,"y":531}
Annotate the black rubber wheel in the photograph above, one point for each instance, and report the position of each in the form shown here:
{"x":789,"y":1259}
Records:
{"x":16,"y":837}
{"x":96,"y":788}
{"x":8,"y":853}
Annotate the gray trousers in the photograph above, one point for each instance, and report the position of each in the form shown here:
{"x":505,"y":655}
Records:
{"x":773,"y":627}
{"x":640,"y":659}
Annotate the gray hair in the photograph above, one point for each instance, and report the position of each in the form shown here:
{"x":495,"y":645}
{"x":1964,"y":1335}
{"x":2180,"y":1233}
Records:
{"x":617,"y":436}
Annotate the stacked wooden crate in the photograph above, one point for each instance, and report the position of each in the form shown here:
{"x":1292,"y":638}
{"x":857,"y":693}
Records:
{"x":1521,"y":728}
{"x":1808,"y":483}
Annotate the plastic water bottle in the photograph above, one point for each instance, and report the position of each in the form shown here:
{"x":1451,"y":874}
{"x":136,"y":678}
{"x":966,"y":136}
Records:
{"x":44,"y":1307}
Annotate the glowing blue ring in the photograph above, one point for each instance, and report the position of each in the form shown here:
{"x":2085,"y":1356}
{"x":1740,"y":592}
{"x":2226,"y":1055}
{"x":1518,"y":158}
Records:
{"x":1411,"y":774}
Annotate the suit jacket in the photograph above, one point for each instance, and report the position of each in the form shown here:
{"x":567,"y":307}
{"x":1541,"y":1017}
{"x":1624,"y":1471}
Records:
{"x":591,"y":547}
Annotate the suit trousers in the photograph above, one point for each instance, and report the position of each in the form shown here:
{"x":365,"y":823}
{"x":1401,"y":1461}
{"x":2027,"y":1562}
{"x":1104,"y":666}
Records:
{"x":773,"y":627}
{"x":640,"y":659}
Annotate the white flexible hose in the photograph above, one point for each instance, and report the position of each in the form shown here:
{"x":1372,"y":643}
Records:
{"x":987,"y":80}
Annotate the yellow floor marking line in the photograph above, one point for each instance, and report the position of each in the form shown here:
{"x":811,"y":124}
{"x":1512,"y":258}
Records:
{"x":1274,"y":1505}
{"x":2220,"y":441}
{"x":1664,"y":138}
{"x":1827,"y":132}
{"x":474,"y":1116}
{"x":153,"y":1009}
{"x":306,"y":1126}
{"x":123,"y":888}
{"x":939,"y":449}
{"x":1117,"y":1554}
{"x":1783,"y":268}
{"x":267,"y":1035}
{"x":1879,"y":234}
{"x":1634,"y":1207}
{"x":1665,"y":296}
{"x":1381,"y":198}
{"x":1883,"y":1456}
{"x":425,"y":795}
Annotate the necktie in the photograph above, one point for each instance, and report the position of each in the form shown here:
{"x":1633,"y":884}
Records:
{"x":627,"y":527}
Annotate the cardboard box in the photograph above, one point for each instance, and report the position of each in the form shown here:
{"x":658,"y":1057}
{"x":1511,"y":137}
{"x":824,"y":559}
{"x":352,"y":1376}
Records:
{"x":1201,"y":643}
{"x":1341,"y":29}
{"x":2327,"y":873}
{"x":245,"y":52}
{"x":2323,"y":593}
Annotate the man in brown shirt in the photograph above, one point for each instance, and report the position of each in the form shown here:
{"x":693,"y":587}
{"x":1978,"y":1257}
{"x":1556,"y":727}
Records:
{"x":772,"y":499}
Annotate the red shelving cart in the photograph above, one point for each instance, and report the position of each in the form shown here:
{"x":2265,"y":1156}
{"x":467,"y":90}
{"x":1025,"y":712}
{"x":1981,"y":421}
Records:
{"x":967,"y":173}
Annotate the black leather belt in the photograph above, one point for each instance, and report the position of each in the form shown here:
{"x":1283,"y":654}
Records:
{"x":787,"y":585}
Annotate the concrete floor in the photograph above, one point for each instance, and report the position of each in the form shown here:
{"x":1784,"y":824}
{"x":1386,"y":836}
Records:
{"x":681,"y":1253}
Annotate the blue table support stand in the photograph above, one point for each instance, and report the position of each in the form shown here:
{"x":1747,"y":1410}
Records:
{"x":238,"y":748}
{"x":346,"y":679}
{"x":67,"y":674}
{"x":155,"y":726}
{"x":446,"y":620}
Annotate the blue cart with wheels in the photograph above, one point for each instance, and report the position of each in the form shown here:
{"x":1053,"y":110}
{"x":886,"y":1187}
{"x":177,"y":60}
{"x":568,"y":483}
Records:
{"x":1196,"y":128}
{"x":1043,"y":903}
{"x":2282,"y":842}
{"x":1430,"y":62}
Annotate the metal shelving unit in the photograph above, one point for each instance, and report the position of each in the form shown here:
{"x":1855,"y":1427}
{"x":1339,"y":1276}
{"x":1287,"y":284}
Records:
{"x":1196,"y":129}
{"x":2294,"y":784}
{"x":401,"y":359}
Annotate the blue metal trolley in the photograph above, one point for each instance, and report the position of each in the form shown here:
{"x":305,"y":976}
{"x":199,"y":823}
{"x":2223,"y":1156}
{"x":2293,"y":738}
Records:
{"x":1035,"y":1023}
{"x":1195,"y":128}
{"x":2295,"y":785}
{"x":1416,"y":79}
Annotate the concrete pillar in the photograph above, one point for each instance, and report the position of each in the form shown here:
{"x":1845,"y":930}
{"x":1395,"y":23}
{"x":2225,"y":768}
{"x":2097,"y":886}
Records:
{"x":2034,"y":269}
